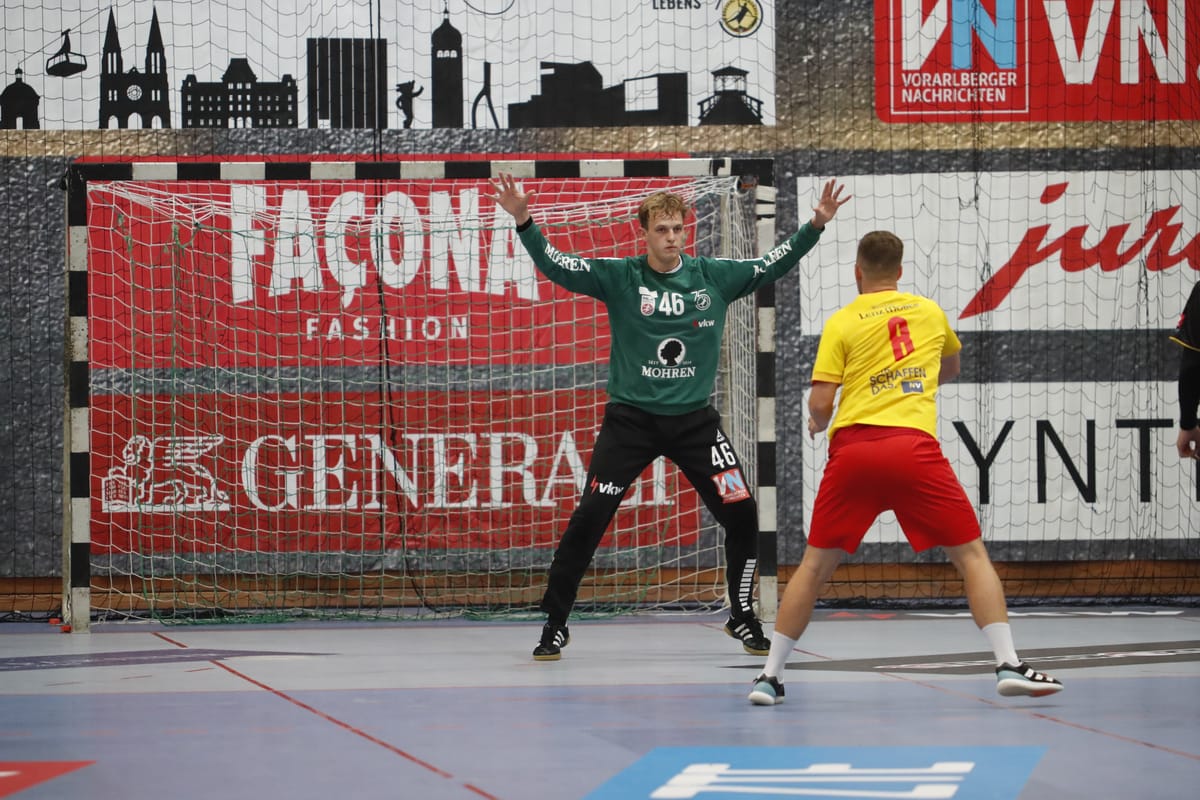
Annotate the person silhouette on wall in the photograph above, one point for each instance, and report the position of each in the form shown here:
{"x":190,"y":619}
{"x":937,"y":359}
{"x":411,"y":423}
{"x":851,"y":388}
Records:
{"x":405,"y":101}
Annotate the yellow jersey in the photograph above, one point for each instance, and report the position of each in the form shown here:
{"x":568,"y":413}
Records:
{"x":886,"y":349}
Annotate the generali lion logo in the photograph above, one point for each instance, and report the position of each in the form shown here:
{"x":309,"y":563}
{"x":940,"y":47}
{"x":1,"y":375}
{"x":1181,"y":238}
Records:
{"x":164,"y":474}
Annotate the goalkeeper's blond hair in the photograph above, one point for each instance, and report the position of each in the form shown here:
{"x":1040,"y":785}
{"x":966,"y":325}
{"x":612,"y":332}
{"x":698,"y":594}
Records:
{"x":661,"y":204}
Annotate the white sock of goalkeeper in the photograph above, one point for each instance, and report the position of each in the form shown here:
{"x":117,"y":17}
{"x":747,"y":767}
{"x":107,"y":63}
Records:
{"x":999,"y":636}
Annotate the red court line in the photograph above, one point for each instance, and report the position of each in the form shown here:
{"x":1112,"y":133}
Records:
{"x":341,"y":724}
{"x":166,"y":638}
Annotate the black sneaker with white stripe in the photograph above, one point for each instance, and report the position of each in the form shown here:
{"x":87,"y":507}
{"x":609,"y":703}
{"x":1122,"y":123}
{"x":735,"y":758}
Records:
{"x":749,"y":631}
{"x":1024,"y":680}
{"x":554,"y":639}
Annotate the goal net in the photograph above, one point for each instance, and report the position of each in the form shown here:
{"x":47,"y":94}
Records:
{"x":349,"y":393}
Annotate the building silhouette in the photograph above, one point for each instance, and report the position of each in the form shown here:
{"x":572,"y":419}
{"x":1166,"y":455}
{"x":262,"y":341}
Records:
{"x":729,"y":103}
{"x":125,"y":94}
{"x":239,"y":100}
{"x":19,"y":105}
{"x":573,"y":95}
{"x":447,"y":83}
{"x":347,"y":83}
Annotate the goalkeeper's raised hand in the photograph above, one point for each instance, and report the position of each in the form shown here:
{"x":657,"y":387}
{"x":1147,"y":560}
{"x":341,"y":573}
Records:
{"x":829,"y":204}
{"x":508,"y":196}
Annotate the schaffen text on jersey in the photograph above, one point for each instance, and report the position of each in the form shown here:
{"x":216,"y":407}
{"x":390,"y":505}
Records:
{"x":569,"y":263}
{"x":887,"y":377}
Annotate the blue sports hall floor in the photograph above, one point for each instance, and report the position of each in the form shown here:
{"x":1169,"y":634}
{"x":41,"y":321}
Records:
{"x":880,"y":704}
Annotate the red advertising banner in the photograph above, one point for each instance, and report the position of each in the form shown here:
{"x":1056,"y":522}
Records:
{"x":224,"y":274}
{"x":359,"y":473}
{"x":327,"y":279}
{"x":1036,"y":60}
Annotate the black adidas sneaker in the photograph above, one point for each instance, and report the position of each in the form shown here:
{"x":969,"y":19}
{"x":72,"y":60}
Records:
{"x":554,"y":639}
{"x":749,"y":631}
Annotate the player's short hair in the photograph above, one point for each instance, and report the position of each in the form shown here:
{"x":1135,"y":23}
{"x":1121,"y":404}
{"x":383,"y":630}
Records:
{"x":880,"y":253}
{"x":661,"y":204}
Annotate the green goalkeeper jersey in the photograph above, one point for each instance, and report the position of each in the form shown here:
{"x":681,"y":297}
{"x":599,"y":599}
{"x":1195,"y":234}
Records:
{"x":666,"y":328}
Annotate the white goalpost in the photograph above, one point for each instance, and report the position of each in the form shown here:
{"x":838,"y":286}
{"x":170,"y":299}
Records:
{"x":339,"y":388}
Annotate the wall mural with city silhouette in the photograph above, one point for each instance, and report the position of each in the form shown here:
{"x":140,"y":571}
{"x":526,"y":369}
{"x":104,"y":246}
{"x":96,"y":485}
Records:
{"x":418,"y":64}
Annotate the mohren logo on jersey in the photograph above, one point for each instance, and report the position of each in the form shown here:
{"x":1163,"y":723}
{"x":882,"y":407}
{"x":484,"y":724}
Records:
{"x":781,"y":250}
{"x":672,"y":355}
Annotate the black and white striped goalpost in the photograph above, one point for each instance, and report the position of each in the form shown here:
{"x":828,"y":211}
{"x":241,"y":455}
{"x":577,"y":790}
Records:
{"x":764,"y":393}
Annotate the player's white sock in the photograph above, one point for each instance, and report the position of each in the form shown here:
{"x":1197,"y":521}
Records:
{"x":781,"y":648}
{"x":999,"y":636}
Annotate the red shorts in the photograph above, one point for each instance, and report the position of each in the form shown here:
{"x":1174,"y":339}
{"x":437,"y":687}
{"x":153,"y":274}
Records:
{"x":874,"y":469}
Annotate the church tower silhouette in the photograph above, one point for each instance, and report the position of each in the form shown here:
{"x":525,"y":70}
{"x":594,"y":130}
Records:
{"x":447,"y":83}
{"x":124,"y":94}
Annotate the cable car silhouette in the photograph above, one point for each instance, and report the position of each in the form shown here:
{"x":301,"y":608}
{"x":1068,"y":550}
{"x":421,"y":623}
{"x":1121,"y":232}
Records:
{"x":64,"y":62}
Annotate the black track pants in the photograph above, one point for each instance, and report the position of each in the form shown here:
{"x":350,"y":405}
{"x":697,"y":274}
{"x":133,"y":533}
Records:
{"x":629,"y":440}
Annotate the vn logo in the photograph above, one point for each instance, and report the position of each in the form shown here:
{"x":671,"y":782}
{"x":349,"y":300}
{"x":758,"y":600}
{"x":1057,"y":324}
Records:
{"x":731,"y":486}
{"x":164,"y":474}
{"x":1054,"y":60}
{"x":611,"y":489}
